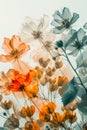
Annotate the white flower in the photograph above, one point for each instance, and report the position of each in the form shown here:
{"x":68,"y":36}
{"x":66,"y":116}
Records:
{"x":34,"y":29}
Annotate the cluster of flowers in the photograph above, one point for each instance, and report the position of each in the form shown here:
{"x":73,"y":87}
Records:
{"x":36,"y":90}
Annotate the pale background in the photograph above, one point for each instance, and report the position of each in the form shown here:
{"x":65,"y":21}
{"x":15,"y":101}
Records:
{"x":12,"y":13}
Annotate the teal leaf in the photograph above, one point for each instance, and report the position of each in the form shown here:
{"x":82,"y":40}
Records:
{"x":82,"y":106}
{"x":71,"y":92}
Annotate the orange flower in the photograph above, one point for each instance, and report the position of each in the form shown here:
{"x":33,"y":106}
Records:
{"x":62,"y":81}
{"x":28,"y":111}
{"x":21,"y":81}
{"x":14,"y":48}
{"x":44,"y":116}
{"x":70,"y":116}
{"x":31,"y":126}
{"x":57,"y":118}
{"x":51,"y":107}
{"x":32,"y":89}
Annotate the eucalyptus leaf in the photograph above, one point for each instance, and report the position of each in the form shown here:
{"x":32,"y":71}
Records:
{"x":71,"y":92}
{"x":82,"y":106}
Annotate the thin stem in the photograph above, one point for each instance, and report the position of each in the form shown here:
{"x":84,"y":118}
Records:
{"x":51,"y":54}
{"x":46,"y":48}
{"x":74,"y":70}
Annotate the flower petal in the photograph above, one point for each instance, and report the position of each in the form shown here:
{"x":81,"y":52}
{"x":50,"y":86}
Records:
{"x":23,"y":48}
{"x":43,"y":24}
{"x":6,"y":58}
{"x":80,"y":34}
{"x":15,"y":41}
{"x":74,"y":18}
{"x":66,"y":13}
{"x":6,"y":46}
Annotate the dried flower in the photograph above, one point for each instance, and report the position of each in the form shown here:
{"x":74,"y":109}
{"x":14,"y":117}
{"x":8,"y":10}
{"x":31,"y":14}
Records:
{"x":50,"y":71}
{"x":44,"y":63}
{"x":6,"y":104}
{"x":32,"y":90}
{"x":27,"y":111}
{"x":31,"y":126}
{"x":62,"y":81}
{"x":12,"y":122}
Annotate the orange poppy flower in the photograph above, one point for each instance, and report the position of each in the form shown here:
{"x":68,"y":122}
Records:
{"x":21,"y":81}
{"x":14,"y":49}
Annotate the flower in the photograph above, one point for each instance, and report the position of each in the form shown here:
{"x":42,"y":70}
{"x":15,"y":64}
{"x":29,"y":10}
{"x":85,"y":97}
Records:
{"x":63,"y":20}
{"x":46,"y":45}
{"x":57,"y":118}
{"x":71,"y":116}
{"x":14,"y":49}
{"x":12,"y":122}
{"x":21,"y":81}
{"x":6,"y":80}
{"x":62,"y":81}
{"x":27,"y":111}
{"x":31,"y":126}
{"x":6,"y":104}
{"x":32,"y":89}
{"x":77,"y":42}
{"x":32,"y":29}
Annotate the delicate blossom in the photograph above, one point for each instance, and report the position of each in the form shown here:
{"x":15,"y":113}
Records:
{"x":34,"y":29}
{"x":63,"y":20}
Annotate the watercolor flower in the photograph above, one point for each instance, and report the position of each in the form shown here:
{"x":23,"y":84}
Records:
{"x":78,"y":42}
{"x":31,"y":126}
{"x":21,"y":81}
{"x":6,"y":104}
{"x":12,"y":122}
{"x":27,"y":111}
{"x":15,"y":48}
{"x":64,"y":20}
{"x":34,"y":29}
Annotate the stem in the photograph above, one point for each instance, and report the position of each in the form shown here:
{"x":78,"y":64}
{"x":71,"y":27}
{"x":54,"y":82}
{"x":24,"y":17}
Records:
{"x":51,"y":55}
{"x":74,"y":70}
{"x":46,"y":48}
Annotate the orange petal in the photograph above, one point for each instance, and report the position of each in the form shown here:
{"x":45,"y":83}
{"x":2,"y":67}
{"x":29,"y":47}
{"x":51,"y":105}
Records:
{"x":23,"y":48}
{"x":6,"y":58}
{"x":6,"y":45}
{"x":15,"y":41}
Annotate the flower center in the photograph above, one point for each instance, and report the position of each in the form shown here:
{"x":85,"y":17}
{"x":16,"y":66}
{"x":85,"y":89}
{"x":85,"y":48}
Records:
{"x":37,"y":34}
{"x":66,"y":23}
{"x":78,"y":45}
{"x":21,"y":87}
{"x":14,"y":53}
